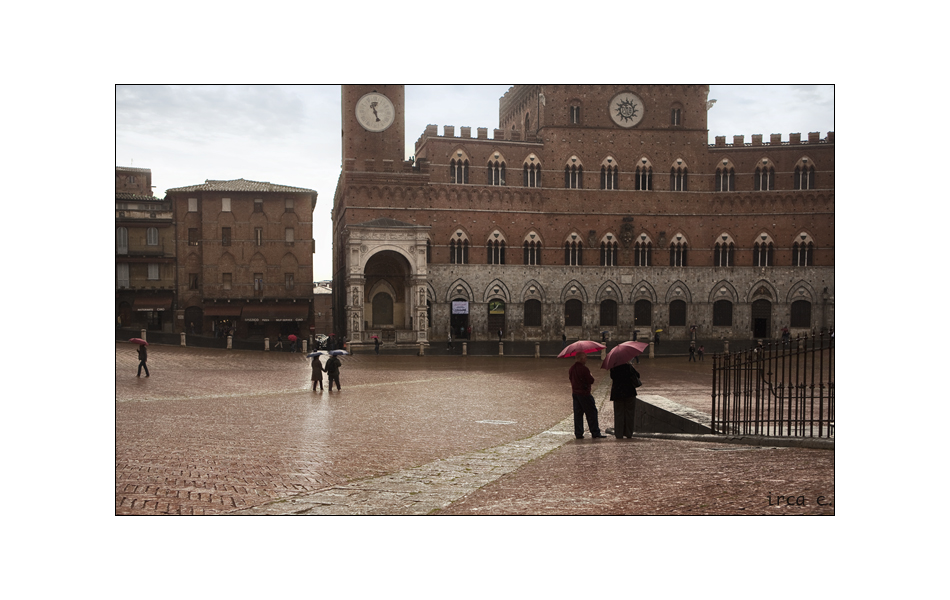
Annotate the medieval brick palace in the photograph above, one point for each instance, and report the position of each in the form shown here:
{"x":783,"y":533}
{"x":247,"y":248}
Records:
{"x":589,"y":209}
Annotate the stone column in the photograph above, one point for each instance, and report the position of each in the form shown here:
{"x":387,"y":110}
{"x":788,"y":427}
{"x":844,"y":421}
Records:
{"x":182,"y":338}
{"x":537,"y":349}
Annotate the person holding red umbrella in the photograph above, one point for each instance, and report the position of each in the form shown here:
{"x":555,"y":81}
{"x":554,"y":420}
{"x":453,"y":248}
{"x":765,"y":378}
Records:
{"x":143,"y":358}
{"x":623,"y":391}
{"x":581,"y":381}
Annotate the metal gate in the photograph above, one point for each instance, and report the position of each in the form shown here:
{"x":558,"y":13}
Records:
{"x":778,"y":389}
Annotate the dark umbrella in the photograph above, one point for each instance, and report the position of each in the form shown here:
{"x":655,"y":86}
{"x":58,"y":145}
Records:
{"x":581,"y":347}
{"x":338,"y":352}
{"x":623,"y":353}
{"x":139,"y":341}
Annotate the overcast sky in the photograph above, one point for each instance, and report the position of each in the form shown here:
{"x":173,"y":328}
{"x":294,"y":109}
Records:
{"x":290,"y":135}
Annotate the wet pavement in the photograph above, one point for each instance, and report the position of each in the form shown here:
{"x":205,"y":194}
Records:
{"x":240,"y":432}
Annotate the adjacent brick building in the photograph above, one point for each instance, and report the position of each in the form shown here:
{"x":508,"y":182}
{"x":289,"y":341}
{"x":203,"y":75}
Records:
{"x":144,"y":253}
{"x":245,"y":258}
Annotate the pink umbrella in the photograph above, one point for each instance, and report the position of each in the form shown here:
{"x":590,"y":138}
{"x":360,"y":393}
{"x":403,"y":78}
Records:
{"x":581,"y":347}
{"x":292,"y":337}
{"x":623,"y":353}
{"x":139,"y":341}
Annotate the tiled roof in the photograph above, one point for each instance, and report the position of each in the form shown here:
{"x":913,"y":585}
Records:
{"x":132,"y":169}
{"x":240,"y":185}
{"x":136,"y":197}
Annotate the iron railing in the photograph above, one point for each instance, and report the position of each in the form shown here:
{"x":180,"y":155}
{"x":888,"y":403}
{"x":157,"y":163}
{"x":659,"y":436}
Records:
{"x":777,"y":389}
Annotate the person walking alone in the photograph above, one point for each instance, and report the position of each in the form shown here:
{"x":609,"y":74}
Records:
{"x":143,"y":359}
{"x":584,"y":405}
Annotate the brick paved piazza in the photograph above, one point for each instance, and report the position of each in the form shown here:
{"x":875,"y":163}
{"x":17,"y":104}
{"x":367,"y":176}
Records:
{"x":214,"y":431}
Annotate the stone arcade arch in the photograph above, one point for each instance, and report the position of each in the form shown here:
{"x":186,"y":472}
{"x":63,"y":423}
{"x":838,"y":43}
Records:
{"x":385,"y":262}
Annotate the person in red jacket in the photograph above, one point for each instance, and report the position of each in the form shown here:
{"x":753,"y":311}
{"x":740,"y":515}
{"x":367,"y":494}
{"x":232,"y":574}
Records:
{"x":581,"y":381}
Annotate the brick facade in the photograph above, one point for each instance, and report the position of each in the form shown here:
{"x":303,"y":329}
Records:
{"x":245,"y":258}
{"x":751,"y":224}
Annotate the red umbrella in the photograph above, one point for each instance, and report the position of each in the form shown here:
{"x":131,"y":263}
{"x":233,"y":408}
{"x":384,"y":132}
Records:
{"x":623,"y":353}
{"x":139,"y":341}
{"x":581,"y":347}
{"x":292,"y":337}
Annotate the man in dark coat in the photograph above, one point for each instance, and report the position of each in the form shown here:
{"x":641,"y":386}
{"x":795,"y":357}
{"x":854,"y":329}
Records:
{"x":584,"y":405}
{"x":143,"y":358}
{"x":332,"y":369}
{"x":623,"y":393}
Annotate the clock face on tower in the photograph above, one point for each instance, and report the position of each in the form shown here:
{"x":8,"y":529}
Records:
{"x":626,"y":109}
{"x":375,"y":112}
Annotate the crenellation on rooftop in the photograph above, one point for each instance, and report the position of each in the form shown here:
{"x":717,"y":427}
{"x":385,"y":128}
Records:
{"x":775,"y":139}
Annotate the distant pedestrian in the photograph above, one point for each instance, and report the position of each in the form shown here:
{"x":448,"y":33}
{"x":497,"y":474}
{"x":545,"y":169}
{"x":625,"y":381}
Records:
{"x":280,"y":343}
{"x":448,"y":344}
{"x":332,"y":369}
{"x":143,"y":359}
{"x":656,"y":339}
{"x":692,"y":353}
{"x":500,"y":333}
{"x":563,"y":341}
{"x":623,"y":393}
{"x":584,"y":405}
{"x":700,"y":352}
{"x":376,"y":343}
{"x":316,"y":373}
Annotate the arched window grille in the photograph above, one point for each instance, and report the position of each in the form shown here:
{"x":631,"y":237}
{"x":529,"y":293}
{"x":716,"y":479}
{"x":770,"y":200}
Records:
{"x":722,"y":313}
{"x":725,"y":179}
{"x":763,"y":251}
{"x":803,"y":251}
{"x":532,"y":172}
{"x":496,"y":173}
{"x":725,"y":253}
{"x":458,"y":171}
{"x":608,"y":177}
{"x":678,"y":179}
{"x":643,"y":252}
{"x":574,"y":177}
{"x":804,"y":177}
{"x":644,"y":177}
{"x":608,"y":252}
{"x":678,"y":253}
{"x":532,"y":252}
{"x":496,"y":252}
{"x":458,"y":251}
{"x":573,"y":254}
{"x":608,"y":313}
{"x":764,"y":179}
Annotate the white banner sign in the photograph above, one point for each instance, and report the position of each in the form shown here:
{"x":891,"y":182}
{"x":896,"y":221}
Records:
{"x":459,"y":308}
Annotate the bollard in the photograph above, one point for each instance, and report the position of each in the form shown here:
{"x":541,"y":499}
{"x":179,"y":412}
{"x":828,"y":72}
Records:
{"x":603,"y":353}
{"x":266,"y":344}
{"x":182,"y":338}
{"x":422,"y":349}
{"x":726,"y":347}
{"x":303,"y":345}
{"x":651,"y":349}
{"x":501,"y":348}
{"x":229,"y":342}
{"x":464,"y":348}
{"x":142,"y":335}
{"x":537,"y":349}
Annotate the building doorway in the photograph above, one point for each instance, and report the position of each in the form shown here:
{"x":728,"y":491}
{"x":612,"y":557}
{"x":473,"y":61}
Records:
{"x":761,"y":319}
{"x":459,"y":320}
{"x":496,"y":317}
